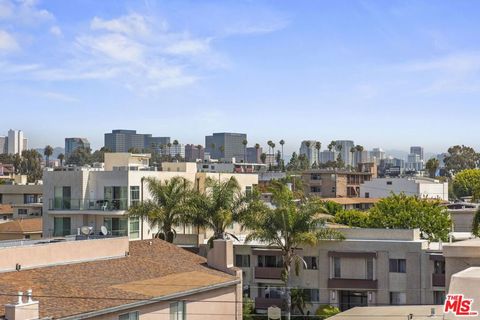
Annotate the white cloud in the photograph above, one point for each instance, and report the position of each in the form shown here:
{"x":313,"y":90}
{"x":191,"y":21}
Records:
{"x":113,"y":46}
{"x":24,"y":12}
{"x":58,"y":96}
{"x":56,"y":31}
{"x":7,"y":42}
{"x":189,"y":46}
{"x":133,"y":25}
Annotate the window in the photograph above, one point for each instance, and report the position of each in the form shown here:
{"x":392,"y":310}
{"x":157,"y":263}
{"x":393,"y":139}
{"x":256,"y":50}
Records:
{"x":389,"y":183}
{"x":397,"y":298}
{"x":242,"y":260}
{"x":438,"y":297}
{"x":61,"y":226}
{"x":22,"y":212}
{"x":134,"y":231}
{"x":270,"y":261}
{"x":116,"y":226}
{"x":398,"y":265}
{"x":315,"y":189}
{"x":315,"y":176}
{"x":439,"y":267}
{"x":178,"y":310}
{"x":134,"y":195}
{"x":336,"y":267}
{"x":129,"y":316}
{"x":30,"y":198}
{"x":312,"y":295}
{"x":116,"y":197}
{"x":311,"y":263}
{"x":369,"y":264}
{"x":62,"y":198}
{"x":1,"y":198}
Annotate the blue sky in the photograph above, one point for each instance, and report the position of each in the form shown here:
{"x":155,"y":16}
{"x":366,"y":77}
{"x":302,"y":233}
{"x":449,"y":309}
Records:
{"x":383,"y":73}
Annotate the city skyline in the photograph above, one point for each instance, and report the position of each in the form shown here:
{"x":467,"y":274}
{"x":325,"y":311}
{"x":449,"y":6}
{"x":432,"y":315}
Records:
{"x":215,"y":66}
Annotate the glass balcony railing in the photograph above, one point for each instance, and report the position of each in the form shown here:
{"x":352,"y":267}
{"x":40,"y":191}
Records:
{"x":88,"y":204}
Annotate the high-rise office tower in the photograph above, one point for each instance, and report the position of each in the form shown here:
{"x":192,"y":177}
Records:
{"x":226,"y":146}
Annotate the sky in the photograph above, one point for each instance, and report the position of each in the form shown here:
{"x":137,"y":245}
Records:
{"x":383,"y":73}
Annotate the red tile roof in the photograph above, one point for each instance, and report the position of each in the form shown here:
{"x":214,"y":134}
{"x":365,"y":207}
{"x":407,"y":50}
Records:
{"x":23,"y":226}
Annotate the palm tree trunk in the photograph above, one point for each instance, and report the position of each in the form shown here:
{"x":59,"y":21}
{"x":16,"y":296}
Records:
{"x":288,"y":293}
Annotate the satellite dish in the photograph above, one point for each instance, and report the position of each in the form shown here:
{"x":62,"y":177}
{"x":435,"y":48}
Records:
{"x":85,"y":230}
{"x":104,"y":230}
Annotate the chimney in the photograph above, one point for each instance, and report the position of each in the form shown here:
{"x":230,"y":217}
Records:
{"x":220,"y":257}
{"x":21,"y":310}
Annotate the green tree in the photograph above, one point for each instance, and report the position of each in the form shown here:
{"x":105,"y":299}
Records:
{"x":399,"y":211}
{"x":299,"y":300}
{"x":61,"y":157}
{"x":80,"y":157}
{"x":47,"y":152}
{"x":288,"y":225}
{"x":476,"y":224}
{"x":30,"y":164}
{"x":432,"y":167}
{"x":99,"y":155}
{"x":167,"y":207}
{"x":326,"y":311}
{"x":263,"y":157}
{"x":248,"y":309}
{"x":218,"y":207}
{"x":467,"y":184}
{"x":331,"y":207}
{"x":353,"y":218}
{"x":460,"y":158}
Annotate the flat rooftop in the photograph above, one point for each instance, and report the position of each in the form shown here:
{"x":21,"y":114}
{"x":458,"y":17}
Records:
{"x":391,"y":313}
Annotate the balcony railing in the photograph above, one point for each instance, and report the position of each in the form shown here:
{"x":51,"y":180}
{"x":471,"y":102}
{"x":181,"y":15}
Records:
{"x":438,"y":280}
{"x":88,"y":204}
{"x":268,"y":273}
{"x":265,"y":303}
{"x":352,"y":284}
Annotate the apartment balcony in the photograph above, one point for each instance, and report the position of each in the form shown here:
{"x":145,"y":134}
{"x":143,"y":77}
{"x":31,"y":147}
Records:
{"x":352,"y":284}
{"x":438,"y":280}
{"x":265,"y":303}
{"x":268,"y":273}
{"x":87,"y":204}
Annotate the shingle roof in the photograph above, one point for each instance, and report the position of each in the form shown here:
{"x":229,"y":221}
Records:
{"x":33,"y":225}
{"x":153,"y":269}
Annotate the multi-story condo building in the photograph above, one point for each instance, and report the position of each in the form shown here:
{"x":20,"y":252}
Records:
{"x":331,"y":183}
{"x":328,"y":156}
{"x":3,"y":145}
{"x":194,"y":152}
{"x":254,"y":155}
{"x":72,"y":144}
{"x":369,"y":267}
{"x":96,"y":197}
{"x":391,"y":167}
{"x":411,"y":186}
{"x":309,"y":149}
{"x":175,"y":150}
{"x":226,"y":146}
{"x":344,"y":147}
{"x":418,"y":151}
{"x":414,"y":162}
{"x":124,"y":140}
{"x":376,"y":155}
{"x":16,"y":142}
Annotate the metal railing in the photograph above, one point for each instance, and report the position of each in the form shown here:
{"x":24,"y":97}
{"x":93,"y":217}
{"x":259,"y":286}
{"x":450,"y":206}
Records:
{"x":88,"y":204}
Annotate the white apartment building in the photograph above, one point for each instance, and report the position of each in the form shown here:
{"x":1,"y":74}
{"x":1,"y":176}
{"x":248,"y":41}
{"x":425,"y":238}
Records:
{"x":96,"y":197}
{"x":370,"y":267}
{"x":16,"y":142}
{"x":411,"y":186}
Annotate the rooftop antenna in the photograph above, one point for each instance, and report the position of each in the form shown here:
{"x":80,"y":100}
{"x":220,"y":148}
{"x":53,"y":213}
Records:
{"x":85,"y":230}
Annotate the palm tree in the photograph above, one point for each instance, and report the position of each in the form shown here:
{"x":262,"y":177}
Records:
{"x":169,"y":145}
{"x":299,"y":300}
{"x":331,"y":145}
{"x":47,"y":152}
{"x":257,"y":147}
{"x":288,"y":225}
{"x":245,"y":142}
{"x":318,"y":146}
{"x":218,"y":207}
{"x":282,"y":142}
{"x":175,"y":143}
{"x":273,"y":149}
{"x":352,"y":152}
{"x":269,"y":143}
{"x":222,"y":151}
{"x":359,"y":149}
{"x":61,"y":157}
{"x":167,"y":207}
{"x":263,"y":157}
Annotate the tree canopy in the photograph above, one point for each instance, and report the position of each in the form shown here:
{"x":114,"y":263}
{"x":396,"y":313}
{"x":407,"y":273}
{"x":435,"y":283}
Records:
{"x":460,"y":158}
{"x":467,"y":183}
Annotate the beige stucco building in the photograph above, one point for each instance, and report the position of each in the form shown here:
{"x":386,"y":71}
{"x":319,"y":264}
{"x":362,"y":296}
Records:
{"x":369,"y":267}
{"x":96,"y":197}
